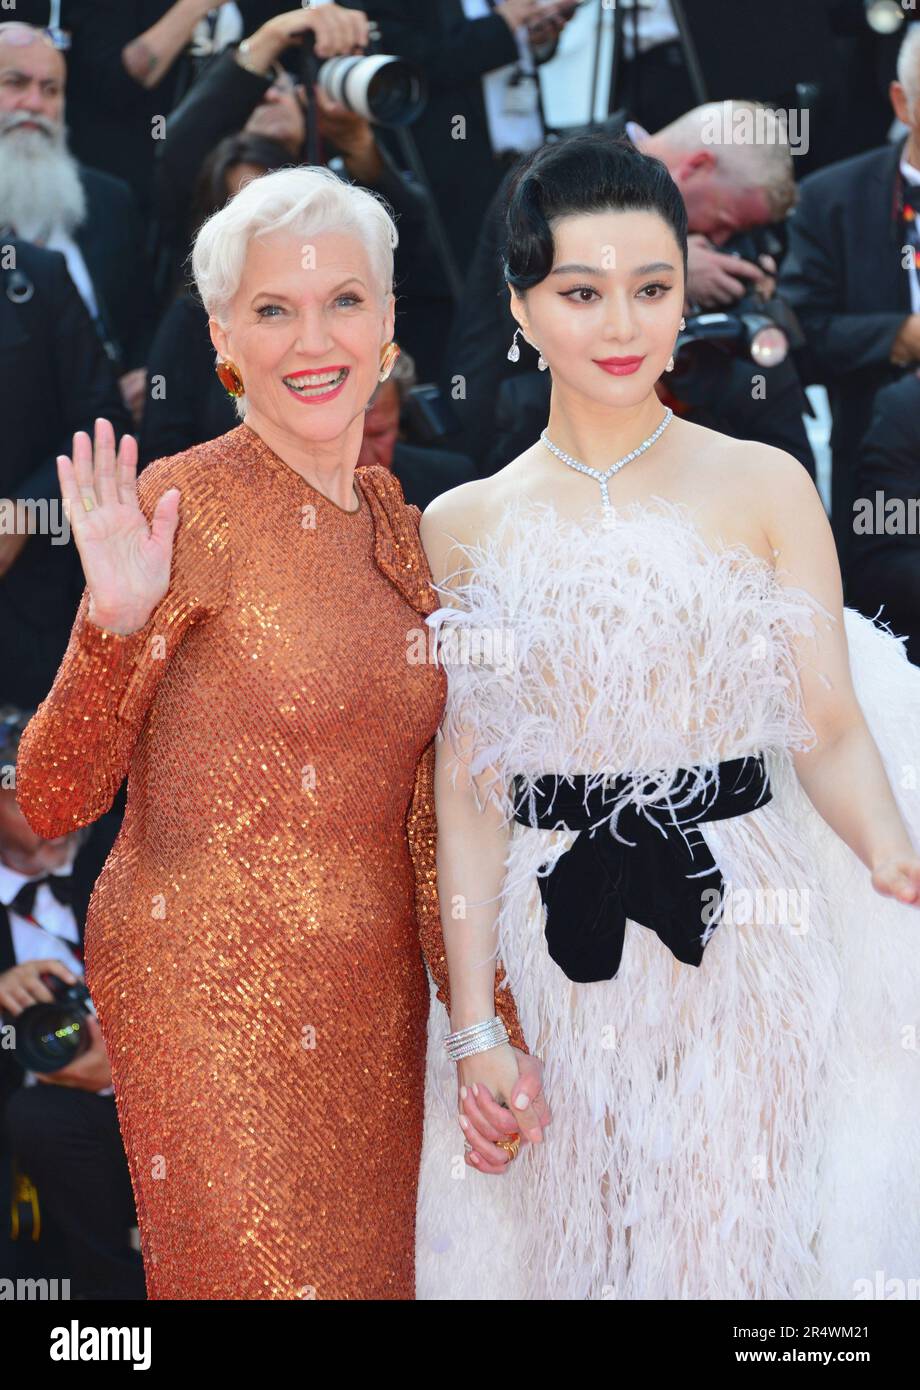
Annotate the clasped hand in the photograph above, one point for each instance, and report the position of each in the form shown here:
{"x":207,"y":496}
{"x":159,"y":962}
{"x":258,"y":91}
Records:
{"x":500,"y":1095}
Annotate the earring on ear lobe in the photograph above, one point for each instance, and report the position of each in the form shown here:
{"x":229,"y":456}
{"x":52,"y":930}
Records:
{"x":514,"y":352}
{"x":670,"y":366}
{"x":388,"y":359}
{"x":229,"y":377}
{"x":542,"y":363}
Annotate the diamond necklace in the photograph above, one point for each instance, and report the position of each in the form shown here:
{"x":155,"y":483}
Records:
{"x":614,"y":467}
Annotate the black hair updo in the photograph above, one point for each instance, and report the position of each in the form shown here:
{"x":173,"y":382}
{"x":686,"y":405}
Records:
{"x":586,"y":173}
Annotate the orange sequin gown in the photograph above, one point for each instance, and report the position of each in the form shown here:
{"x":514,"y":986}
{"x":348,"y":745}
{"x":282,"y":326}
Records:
{"x":253,"y":942}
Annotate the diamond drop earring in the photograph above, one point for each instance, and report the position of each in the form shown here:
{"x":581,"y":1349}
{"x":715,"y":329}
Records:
{"x":542,"y":363}
{"x":670,"y":366}
{"x":514,"y":352}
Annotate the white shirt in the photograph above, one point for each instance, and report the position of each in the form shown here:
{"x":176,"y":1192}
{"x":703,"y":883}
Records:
{"x":41,"y":939}
{"x":912,"y":175}
{"x":217,"y":29}
{"x":508,"y":130}
{"x":656,"y":25}
{"x":79,"y":274}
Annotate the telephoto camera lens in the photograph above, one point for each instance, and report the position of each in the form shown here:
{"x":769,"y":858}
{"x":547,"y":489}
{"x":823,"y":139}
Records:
{"x":379,"y":87}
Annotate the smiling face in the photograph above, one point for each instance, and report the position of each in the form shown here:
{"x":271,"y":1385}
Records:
{"x":306,"y":330}
{"x":607,"y":316}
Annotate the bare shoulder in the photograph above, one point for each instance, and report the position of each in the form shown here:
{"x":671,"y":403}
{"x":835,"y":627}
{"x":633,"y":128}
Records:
{"x":760,"y":477}
{"x":776,"y":486}
{"x":769,"y":466}
{"x":462,"y":516}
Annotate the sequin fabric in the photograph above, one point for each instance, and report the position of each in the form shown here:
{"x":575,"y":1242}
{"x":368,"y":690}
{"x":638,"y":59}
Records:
{"x":253,"y":942}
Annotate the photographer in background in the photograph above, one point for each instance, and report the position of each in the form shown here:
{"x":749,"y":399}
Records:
{"x":718,"y":381}
{"x":60,"y":1127}
{"x":245,"y":89}
{"x":851,"y":274}
{"x":480,"y":58}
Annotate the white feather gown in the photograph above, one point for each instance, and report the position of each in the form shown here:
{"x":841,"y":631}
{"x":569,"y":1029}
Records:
{"x":745,"y":1129}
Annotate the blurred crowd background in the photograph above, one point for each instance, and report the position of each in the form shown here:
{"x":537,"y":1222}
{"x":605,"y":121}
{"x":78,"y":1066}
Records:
{"x":125,"y":123}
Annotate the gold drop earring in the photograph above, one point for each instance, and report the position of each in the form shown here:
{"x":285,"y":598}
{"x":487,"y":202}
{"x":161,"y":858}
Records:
{"x":388,"y":359}
{"x":229,"y":377}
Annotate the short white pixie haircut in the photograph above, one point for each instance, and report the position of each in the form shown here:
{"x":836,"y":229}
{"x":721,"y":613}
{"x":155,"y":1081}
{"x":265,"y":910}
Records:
{"x":304,"y":199}
{"x":909,"y":63}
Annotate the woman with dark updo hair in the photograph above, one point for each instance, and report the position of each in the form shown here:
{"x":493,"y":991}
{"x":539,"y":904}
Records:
{"x":674,"y":798}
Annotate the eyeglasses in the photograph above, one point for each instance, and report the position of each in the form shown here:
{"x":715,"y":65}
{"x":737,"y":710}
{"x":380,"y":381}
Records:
{"x":58,"y":36}
{"x":16,"y":33}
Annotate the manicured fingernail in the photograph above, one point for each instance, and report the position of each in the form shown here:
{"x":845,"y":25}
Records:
{"x":463,"y":1093}
{"x":465,"y":1122}
{"x":474,"y":1158}
{"x":521,"y":1101}
{"x":475,"y":1089}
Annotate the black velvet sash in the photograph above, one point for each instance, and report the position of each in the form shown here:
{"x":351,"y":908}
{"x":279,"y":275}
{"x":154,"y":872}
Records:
{"x":657,"y":880}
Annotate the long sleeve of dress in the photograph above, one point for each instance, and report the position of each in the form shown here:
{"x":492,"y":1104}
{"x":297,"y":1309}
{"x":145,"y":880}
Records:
{"x":423,"y":839}
{"x":400,"y":555}
{"x":75,"y":751}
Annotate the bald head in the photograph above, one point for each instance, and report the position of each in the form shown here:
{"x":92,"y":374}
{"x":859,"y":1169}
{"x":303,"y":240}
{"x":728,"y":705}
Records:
{"x":733,"y":164}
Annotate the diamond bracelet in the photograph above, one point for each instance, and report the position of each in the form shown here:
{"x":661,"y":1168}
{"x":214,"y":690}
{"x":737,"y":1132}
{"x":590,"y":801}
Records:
{"x":478,"y":1037}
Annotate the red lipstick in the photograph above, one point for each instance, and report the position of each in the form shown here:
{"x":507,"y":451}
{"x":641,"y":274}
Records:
{"x":318,"y":396}
{"x":620,"y":366}
{"x":318,"y":371}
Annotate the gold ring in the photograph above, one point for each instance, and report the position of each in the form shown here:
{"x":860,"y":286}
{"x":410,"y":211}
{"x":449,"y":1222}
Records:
{"x":88,"y":504}
{"x":511,"y":1145}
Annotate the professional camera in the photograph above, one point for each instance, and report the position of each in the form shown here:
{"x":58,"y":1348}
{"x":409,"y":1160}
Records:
{"x":51,"y":1036}
{"x":378,"y":86}
{"x":763,"y":330}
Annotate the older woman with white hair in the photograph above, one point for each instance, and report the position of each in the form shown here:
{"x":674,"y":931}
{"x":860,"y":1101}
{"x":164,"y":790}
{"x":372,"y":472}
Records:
{"x":244,"y":651}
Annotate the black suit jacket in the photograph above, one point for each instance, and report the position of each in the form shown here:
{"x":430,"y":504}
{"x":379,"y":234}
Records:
{"x":111,"y":117}
{"x":54,"y":379}
{"x":842,"y":274}
{"x":454,"y":52}
{"x":114,"y":246}
{"x":885,"y":569}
